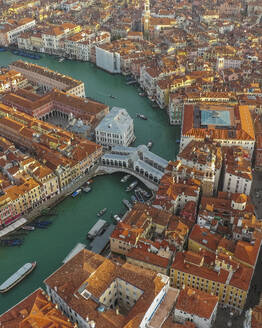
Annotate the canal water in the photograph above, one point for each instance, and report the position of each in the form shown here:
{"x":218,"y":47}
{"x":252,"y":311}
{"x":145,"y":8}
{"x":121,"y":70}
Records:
{"x":74,"y":217}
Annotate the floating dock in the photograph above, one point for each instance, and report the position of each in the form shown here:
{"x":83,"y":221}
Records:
{"x":100,"y":242}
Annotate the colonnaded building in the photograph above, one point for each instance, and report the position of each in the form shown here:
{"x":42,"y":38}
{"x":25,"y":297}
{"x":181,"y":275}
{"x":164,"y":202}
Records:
{"x":228,"y":125}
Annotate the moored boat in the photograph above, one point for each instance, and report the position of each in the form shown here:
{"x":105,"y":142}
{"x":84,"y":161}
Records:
{"x":125,"y":178}
{"x":133,"y":199}
{"x":127,"y":203}
{"x":77,"y":192}
{"x":86,"y":189}
{"x":132,"y":186}
{"x":177,"y":141}
{"x":28,"y":228}
{"x":61,"y":59}
{"x":17,"y":277}
{"x":96,"y":229}
{"x":149,"y":144}
{"x":102,"y":212}
{"x":143,"y":117}
{"x":40,"y":225}
{"x":139,"y":196}
{"x":117,"y":218}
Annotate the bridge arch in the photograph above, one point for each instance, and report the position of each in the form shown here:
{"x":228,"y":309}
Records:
{"x":150,"y":183}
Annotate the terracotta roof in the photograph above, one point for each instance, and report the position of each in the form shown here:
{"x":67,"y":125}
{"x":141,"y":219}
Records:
{"x":196,"y":302}
{"x":95,"y":273}
{"x":34,"y":311}
{"x":204,"y":237}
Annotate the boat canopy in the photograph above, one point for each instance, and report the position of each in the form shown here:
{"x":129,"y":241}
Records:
{"x":10,"y":281}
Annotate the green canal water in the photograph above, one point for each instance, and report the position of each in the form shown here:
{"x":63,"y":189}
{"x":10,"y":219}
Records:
{"x":75,"y":216}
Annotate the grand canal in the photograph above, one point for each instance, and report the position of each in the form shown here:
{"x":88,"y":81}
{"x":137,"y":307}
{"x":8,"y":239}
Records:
{"x":75,"y":217}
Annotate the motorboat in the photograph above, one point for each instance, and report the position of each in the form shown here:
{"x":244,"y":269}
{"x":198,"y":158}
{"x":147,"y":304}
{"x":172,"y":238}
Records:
{"x":87,"y":189}
{"x":132,"y":186}
{"x":117,"y":218}
{"x":125,"y":178}
{"x":149,"y":144}
{"x":127,"y":203}
{"x":102,"y":212}
{"x":143,"y":117}
{"x":76,"y":192}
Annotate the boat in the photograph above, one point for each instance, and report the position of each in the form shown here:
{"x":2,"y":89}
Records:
{"x":143,"y":117}
{"x":145,"y":193}
{"x":18,"y":276}
{"x":86,"y":189}
{"x":131,"y":82}
{"x":113,"y":97}
{"x":23,"y":53}
{"x":28,"y":228}
{"x":16,"y":242}
{"x":2,"y":49}
{"x":139,"y":196}
{"x":178,"y":141}
{"x":149,"y":144}
{"x":125,"y":178}
{"x":75,"y":193}
{"x":102,"y":212}
{"x":46,"y":223}
{"x":61,"y":59}
{"x":142,"y":94}
{"x":40,"y":225}
{"x":127,"y":203}
{"x":117,"y":218}
{"x":132,"y":186}
{"x":96,"y":229}
{"x":133,"y":199}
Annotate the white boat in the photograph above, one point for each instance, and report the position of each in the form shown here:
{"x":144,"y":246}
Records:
{"x":87,"y":189}
{"x":125,"y":178}
{"x":117,"y":218}
{"x":28,"y":228}
{"x":102,"y":212}
{"x":149,"y":144}
{"x":61,"y":59}
{"x":75,"y":193}
{"x":17,"y":277}
{"x":143,"y":117}
{"x":132,"y":186}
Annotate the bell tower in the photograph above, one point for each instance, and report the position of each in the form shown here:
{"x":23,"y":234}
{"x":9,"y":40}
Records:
{"x":146,"y":15}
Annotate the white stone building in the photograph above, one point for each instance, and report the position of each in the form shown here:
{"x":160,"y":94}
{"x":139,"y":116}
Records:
{"x":237,"y":176}
{"x":116,"y":128}
{"x":107,"y":59}
{"x":10,"y":32}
